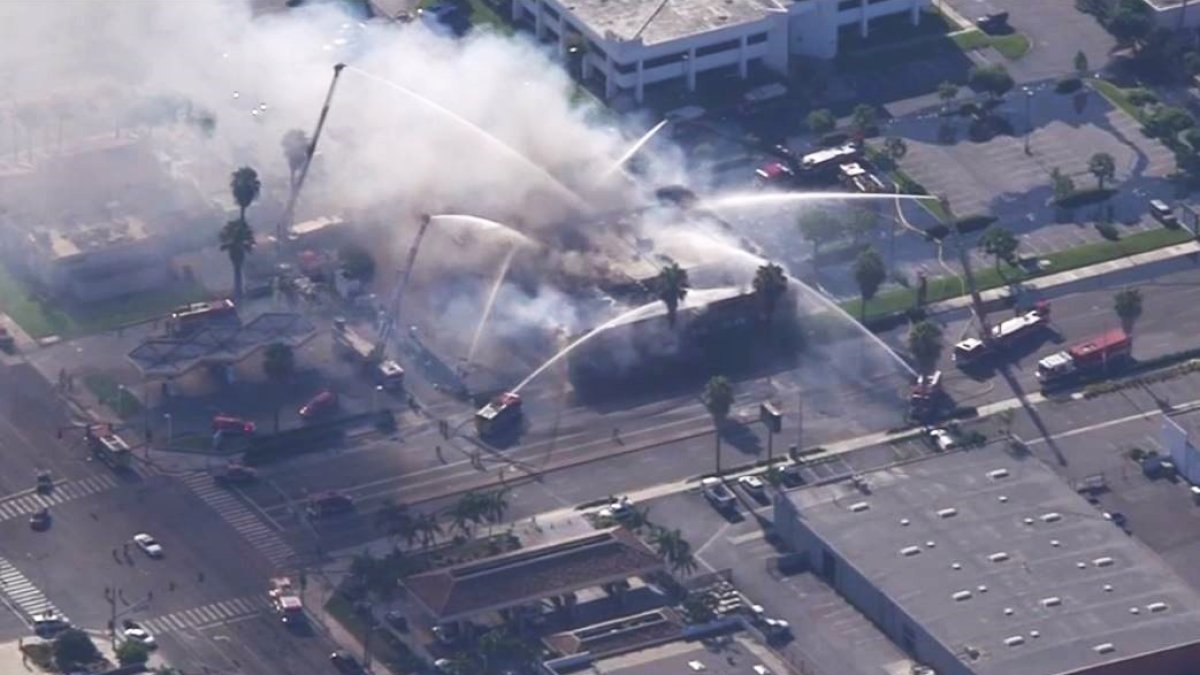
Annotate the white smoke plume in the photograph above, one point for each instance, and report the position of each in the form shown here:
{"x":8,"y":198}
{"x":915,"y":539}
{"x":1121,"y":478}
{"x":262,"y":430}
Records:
{"x":96,"y":67}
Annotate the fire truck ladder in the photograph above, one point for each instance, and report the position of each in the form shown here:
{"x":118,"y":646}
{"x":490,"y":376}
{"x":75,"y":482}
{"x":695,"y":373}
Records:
{"x":393,"y":312}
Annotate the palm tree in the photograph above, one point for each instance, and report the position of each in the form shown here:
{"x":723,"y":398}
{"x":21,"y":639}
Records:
{"x":925,"y":345}
{"x":245,"y":187}
{"x":395,"y":521}
{"x":869,"y":273}
{"x":770,"y":283}
{"x":237,"y":240}
{"x":426,"y":528}
{"x":672,"y":286}
{"x":675,"y":550}
{"x":718,"y":398}
{"x":295,"y":150}
{"x":1127,"y":303}
{"x":470,"y":510}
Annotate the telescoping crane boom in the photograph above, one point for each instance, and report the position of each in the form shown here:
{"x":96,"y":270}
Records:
{"x":393,"y":310}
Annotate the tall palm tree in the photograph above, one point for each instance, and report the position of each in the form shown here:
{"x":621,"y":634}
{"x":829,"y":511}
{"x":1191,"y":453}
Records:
{"x":426,"y":528}
{"x":672,"y":286}
{"x":770,"y":283}
{"x":245,"y":187}
{"x":295,"y":150}
{"x":718,"y":399}
{"x":470,"y":510}
{"x":494,"y":505}
{"x":237,"y":240}
{"x":676,"y":550}
{"x":925,"y":345}
{"x":1127,"y":303}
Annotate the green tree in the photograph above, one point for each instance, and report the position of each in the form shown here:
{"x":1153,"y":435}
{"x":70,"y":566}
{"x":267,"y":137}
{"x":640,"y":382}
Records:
{"x":672,"y":286}
{"x":674,"y":549}
{"x":279,"y":362}
{"x":770,"y":284}
{"x":869,"y":273}
{"x":864,"y":118}
{"x":947,"y":92}
{"x":1127,"y":303}
{"x":356,"y":262}
{"x":718,"y":399}
{"x":925,"y":345}
{"x":992,"y":80}
{"x":73,"y":650}
{"x":861,"y":223}
{"x":1131,"y":24}
{"x":130,"y":652}
{"x":1103,"y":167}
{"x":295,"y":151}
{"x":245,"y":187}
{"x":894,"y":148}
{"x":427,"y":529}
{"x":237,"y":241}
{"x":394,"y":520}
{"x":469,"y":511}
{"x":1062,"y":184}
{"x":1081,"y":64}
{"x":494,"y":506}
{"x":821,"y":121}
{"x":819,"y":227}
{"x":700,"y":607}
{"x":1000,"y":243}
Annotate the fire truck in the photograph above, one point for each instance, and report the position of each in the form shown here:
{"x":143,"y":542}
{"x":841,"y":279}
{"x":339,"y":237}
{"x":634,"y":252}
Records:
{"x":926,"y":396}
{"x":1097,"y":353}
{"x":501,"y":414}
{"x":285,"y":601}
{"x":1004,"y":334}
{"x":350,"y":344}
{"x":191,"y":317}
{"x":108,"y":446}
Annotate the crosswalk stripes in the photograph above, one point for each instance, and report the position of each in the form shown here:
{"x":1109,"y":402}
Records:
{"x":23,"y":505}
{"x":207,"y":615}
{"x":21,"y":591}
{"x":267,"y":541}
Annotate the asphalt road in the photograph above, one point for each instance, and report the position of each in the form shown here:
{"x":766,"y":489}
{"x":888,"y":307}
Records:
{"x":205,"y":600}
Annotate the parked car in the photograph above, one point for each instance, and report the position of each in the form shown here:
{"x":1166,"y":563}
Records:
{"x":993,"y":22}
{"x":320,"y":405}
{"x":49,"y":623}
{"x":754,"y":486}
{"x":234,"y":474}
{"x":329,"y":504}
{"x":134,"y":632}
{"x":45,"y":482}
{"x":233,"y":426}
{"x":619,"y":508}
{"x":717,"y":493}
{"x":346,"y":663}
{"x":1163,"y":213}
{"x":942,"y":439}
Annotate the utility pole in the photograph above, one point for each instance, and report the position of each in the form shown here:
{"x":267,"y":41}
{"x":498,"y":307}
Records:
{"x":976,"y":301}
{"x":110,"y":595}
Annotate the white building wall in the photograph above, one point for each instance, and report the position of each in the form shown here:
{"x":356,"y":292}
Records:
{"x":1176,"y":17}
{"x":1183,"y":453}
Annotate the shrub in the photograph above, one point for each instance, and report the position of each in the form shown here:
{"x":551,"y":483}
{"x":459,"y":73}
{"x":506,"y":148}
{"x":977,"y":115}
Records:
{"x":1068,"y":85}
{"x":1108,"y":231}
{"x":1168,"y":121}
{"x":834,"y":138}
{"x":974,"y":222}
{"x":1141,"y":96}
{"x":1084,"y":197}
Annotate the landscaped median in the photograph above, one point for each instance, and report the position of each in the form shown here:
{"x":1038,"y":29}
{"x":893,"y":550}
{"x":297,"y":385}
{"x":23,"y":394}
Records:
{"x":945,"y":288}
{"x":1011,"y":46}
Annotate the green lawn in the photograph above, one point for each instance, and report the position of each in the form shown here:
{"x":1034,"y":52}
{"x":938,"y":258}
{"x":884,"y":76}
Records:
{"x":482,"y":14}
{"x":42,"y":318}
{"x":1012,"y":46}
{"x":944,"y":288}
{"x":1117,"y":96}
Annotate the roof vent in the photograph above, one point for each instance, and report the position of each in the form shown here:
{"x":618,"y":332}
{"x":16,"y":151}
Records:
{"x":1003,"y":499}
{"x":982,"y":588}
{"x":998,"y":474}
{"x":696,"y":666}
{"x":1027,"y":521}
{"x":962,"y":595}
{"x":1105,"y":648}
{"x":904,"y":522}
{"x":858,"y":507}
{"x":908,"y":551}
{"x":930,"y":544}
{"x":1055,"y":543}
{"x":1102,"y":562}
{"x":998,"y":557}
{"x":1008,"y":611}
{"x":1157,"y":607}
{"x":1051,"y":517}
{"x":1081,"y":565}
{"x":1134,"y":610}
{"x":955,"y":566}
{"x":1108,"y":588}
{"x":1053,"y":601}
{"x":947,"y":513}
{"x":1035,"y":633}
{"x":1014,"y":641}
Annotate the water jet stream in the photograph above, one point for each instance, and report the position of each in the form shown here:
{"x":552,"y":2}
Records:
{"x":567,"y":193}
{"x":743,"y":199}
{"x":491,"y":301}
{"x":633,"y":149}
{"x":489,"y":224}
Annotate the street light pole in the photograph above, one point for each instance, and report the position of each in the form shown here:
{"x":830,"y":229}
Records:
{"x":1028,"y":117}
{"x":170,"y":429}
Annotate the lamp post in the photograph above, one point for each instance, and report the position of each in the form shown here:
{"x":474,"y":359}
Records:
{"x":375,"y":397}
{"x":170,"y":429}
{"x":1028,"y":117}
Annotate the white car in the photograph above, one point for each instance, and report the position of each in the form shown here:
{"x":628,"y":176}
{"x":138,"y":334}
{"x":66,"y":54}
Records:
{"x":618,"y":509}
{"x":943,"y":439}
{"x":148,"y":544}
{"x":135,"y":633}
{"x":753,"y":485}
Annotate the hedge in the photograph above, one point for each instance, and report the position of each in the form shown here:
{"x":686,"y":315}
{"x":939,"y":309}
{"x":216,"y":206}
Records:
{"x":1084,"y":197}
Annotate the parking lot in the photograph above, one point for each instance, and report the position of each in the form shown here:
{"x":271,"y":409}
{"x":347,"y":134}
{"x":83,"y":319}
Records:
{"x":997,"y":177}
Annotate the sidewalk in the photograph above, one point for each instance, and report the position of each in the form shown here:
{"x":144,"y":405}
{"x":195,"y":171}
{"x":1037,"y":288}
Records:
{"x":1071,"y":276}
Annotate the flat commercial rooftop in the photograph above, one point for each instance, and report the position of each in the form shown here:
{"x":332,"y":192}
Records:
{"x":738,"y":656}
{"x":1004,"y":565}
{"x":657,"y":21}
